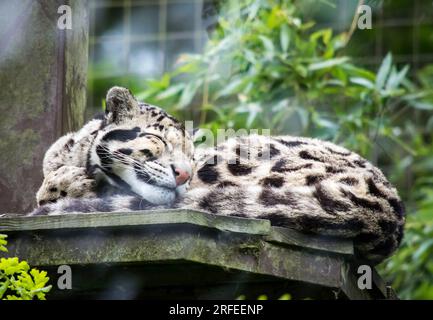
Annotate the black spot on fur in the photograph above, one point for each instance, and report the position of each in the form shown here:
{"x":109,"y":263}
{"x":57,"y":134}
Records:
{"x":226,"y":184}
{"x":360,"y":163}
{"x":242,"y":151}
{"x":313,"y":179}
{"x":69,"y":144}
{"x":207,"y":203}
{"x":238,"y":169}
{"x":273,"y":151}
{"x":279,"y":166}
{"x":327,"y":203}
{"x":397,"y":206}
{"x":307,"y":156}
{"x":208,"y":173}
{"x":63,"y":193}
{"x":387,"y":226}
{"x":147,"y":153}
{"x":349,"y":181}
{"x":313,"y":223}
{"x":270,"y":198}
{"x":160,"y":118}
{"x":293,"y":143}
{"x":121,"y":135}
{"x":374,"y":190}
{"x":344,"y":154}
{"x":53,"y":189}
{"x":330,"y":169}
{"x":276,"y":182}
{"x":270,"y":152}
{"x":348,"y":163}
{"x":361,"y":202}
{"x":125,"y":151}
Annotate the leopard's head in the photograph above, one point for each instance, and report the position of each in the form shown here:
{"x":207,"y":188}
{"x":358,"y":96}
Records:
{"x":143,"y":149}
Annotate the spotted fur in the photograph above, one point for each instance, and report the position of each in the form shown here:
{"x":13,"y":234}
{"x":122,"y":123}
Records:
{"x":125,"y":162}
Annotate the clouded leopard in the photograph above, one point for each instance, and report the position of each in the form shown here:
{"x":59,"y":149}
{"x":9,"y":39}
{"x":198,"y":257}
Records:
{"x":137,"y":157}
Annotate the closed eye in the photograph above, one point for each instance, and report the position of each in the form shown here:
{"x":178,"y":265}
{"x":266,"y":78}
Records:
{"x":143,"y":134}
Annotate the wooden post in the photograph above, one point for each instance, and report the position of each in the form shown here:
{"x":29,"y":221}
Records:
{"x":43,"y":90}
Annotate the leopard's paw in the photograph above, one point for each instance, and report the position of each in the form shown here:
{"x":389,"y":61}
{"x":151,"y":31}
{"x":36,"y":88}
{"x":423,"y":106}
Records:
{"x":67,"y":181}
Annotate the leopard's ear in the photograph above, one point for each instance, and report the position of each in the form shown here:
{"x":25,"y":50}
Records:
{"x":121,"y":105}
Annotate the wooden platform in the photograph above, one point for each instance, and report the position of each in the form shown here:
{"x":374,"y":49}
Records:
{"x":181,"y":254}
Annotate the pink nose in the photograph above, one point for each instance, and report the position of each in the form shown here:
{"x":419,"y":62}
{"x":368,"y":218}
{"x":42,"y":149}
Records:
{"x":181,"y":176}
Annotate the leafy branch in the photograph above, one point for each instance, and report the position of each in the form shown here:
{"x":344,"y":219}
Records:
{"x":18,"y":281}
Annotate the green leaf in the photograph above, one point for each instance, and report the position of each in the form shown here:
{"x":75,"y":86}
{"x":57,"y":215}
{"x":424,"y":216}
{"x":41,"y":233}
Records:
{"x":325,"y":34}
{"x":284,"y":37}
{"x":355,"y":71}
{"x":383,"y":72}
{"x":362,"y":82}
{"x":171,"y":91}
{"x":327,"y":63}
{"x":234,"y":86}
{"x":12,"y":265}
{"x":3,"y":243}
{"x":3,"y":287}
{"x":301,"y":70}
{"x":188,"y":93}
{"x":421,"y":105}
{"x":396,"y":78}
{"x":253,"y":9}
{"x":268,"y":44}
{"x":423,"y":249}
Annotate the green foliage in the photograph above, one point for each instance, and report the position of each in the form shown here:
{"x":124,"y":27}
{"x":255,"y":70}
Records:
{"x":3,"y":243}
{"x":17,"y":281}
{"x":267,"y":67}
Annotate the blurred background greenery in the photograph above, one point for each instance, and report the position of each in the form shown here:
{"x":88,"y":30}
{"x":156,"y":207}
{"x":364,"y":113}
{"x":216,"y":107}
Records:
{"x":296,"y":67}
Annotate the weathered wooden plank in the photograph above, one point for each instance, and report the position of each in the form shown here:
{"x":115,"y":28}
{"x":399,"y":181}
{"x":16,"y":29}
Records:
{"x":149,"y":217}
{"x":174,"y":244}
{"x":171,"y":216}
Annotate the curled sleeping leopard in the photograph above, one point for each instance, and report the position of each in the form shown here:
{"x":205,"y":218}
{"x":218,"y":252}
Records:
{"x":138,"y":157}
